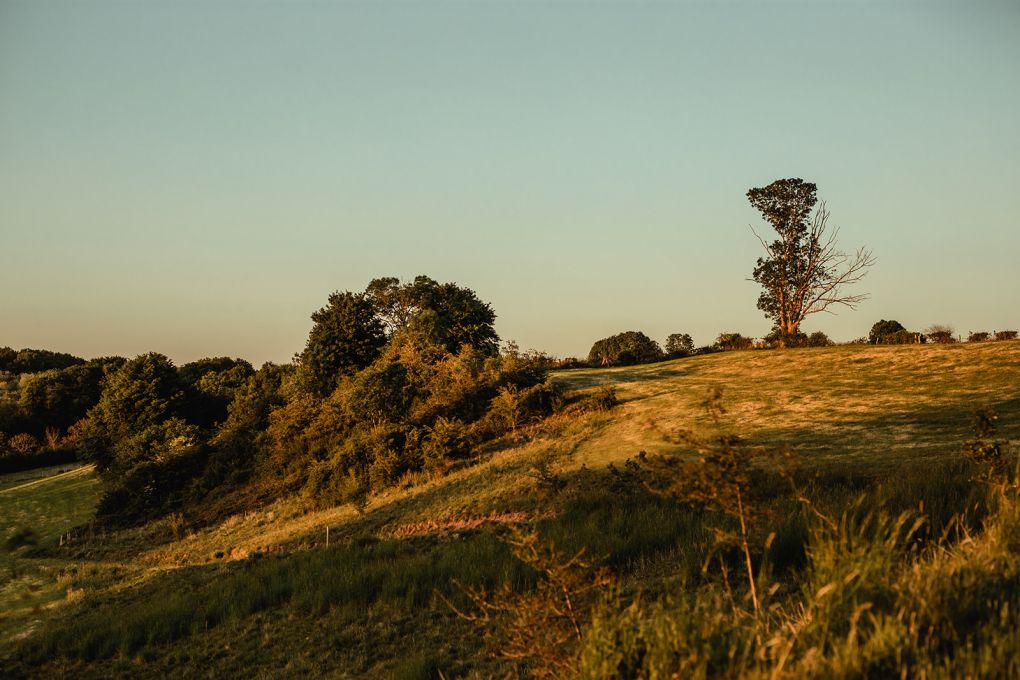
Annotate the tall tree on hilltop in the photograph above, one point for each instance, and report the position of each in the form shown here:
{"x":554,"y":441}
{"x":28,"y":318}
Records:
{"x":803,"y":272}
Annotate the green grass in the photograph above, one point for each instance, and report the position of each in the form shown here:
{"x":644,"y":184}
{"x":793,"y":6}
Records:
{"x":885,"y":422}
{"x":49,"y":505}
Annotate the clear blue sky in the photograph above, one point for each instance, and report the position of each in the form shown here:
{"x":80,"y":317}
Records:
{"x":196,"y":177}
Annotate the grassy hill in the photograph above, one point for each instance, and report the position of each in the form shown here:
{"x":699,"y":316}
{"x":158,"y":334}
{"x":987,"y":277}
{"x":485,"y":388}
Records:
{"x":263,"y":588}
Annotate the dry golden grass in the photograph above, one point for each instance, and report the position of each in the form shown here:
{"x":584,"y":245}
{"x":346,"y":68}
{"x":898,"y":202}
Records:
{"x":875,"y":406}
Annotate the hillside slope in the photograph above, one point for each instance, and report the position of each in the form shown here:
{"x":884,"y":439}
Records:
{"x":162,"y":598}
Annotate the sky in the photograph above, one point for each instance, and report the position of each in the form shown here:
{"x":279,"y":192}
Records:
{"x":195,"y":178}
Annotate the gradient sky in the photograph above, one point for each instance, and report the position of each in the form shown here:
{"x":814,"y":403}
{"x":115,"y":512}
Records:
{"x":196,"y":177}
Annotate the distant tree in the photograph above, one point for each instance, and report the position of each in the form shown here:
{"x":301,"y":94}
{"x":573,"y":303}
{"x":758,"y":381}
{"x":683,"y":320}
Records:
{"x":732,"y":341}
{"x":803,"y":272}
{"x":883,"y":329}
{"x":35,"y":360}
{"x":630,"y":347}
{"x":1005,"y":335}
{"x":979,"y":336}
{"x":248,"y":411}
{"x":679,"y":345}
{"x":60,"y":397}
{"x":141,"y":394}
{"x":210,"y":385}
{"x":347,"y":336}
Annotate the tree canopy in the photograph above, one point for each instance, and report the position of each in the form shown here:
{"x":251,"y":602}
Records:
{"x":630,"y":347}
{"x":347,"y":335}
{"x":459,"y":317}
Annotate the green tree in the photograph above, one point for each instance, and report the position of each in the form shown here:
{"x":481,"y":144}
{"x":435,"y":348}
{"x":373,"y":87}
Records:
{"x":732,"y":341}
{"x":210,"y":385}
{"x":347,"y":336}
{"x":630,"y":347}
{"x":803,"y":272}
{"x":141,"y":394}
{"x":882,"y":330}
{"x":679,"y":345}
{"x":60,"y":397}
{"x":35,"y":360}
{"x":459,"y":317}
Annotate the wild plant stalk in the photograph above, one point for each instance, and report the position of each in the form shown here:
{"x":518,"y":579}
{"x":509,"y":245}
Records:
{"x":721,"y":475}
{"x":542,"y":627}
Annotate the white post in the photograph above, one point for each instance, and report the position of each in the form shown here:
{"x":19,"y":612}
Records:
{"x":327,"y":535}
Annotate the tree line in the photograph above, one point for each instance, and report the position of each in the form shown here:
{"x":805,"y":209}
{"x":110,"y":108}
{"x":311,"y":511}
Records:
{"x":396,"y":380}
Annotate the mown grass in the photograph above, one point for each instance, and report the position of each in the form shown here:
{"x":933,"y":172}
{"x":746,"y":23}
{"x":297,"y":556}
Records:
{"x":878,"y":406}
{"x":50,"y":505}
{"x":39,"y":505}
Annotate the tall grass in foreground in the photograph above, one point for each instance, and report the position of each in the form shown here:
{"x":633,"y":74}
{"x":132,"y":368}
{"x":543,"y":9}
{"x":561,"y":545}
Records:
{"x":872,"y":602}
{"x":878,"y":596}
{"x":916,"y":576}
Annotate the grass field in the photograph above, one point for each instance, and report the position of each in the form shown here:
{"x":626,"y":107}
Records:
{"x":49,"y":502}
{"x":262,"y":587}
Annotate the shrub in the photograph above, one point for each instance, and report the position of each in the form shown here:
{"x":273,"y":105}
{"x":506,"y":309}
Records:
{"x":623,"y":349}
{"x":23,"y":443}
{"x":978,"y":337}
{"x":819,"y":339}
{"x":940,"y":333}
{"x":1005,"y":335}
{"x":733,"y":341}
{"x":778,"y":338}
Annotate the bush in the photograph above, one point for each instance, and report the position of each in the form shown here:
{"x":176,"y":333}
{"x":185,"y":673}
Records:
{"x":733,"y":341}
{"x":978,"y":337}
{"x":624,"y":349}
{"x":1005,"y":335}
{"x":883,"y":330}
{"x":777,"y":338}
{"x":23,"y":443}
{"x":940,"y":333}
{"x":819,"y":339}
{"x":416,"y":408}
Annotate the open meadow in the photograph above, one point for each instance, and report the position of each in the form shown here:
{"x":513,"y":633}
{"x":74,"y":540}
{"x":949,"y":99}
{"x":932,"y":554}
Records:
{"x":878,"y":428}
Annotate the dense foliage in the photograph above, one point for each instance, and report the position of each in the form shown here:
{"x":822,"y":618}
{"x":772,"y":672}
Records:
{"x":886,"y":332}
{"x":34,"y":360}
{"x":733,"y":341}
{"x":624,"y":349}
{"x":396,"y":380}
{"x":679,"y":345}
{"x":42,"y":400}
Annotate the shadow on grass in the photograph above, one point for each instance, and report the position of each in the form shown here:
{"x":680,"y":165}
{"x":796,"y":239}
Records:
{"x":890,"y":439}
{"x":588,"y":378}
